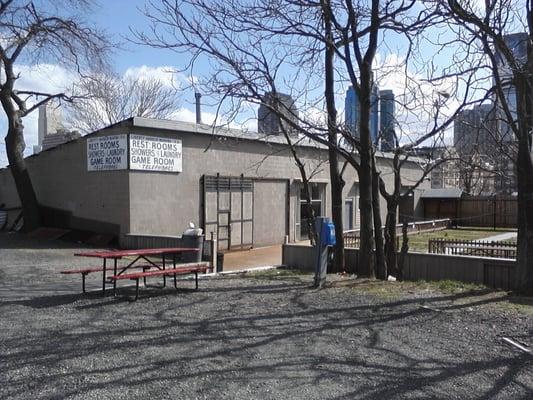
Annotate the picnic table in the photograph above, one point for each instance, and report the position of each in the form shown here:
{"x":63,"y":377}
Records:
{"x":150,"y":268}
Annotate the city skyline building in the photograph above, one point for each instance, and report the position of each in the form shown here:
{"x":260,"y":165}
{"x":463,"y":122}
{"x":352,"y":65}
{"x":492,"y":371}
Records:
{"x":352,"y":112}
{"x":476,"y":139}
{"x":517,"y":43}
{"x":389,"y":140}
{"x":50,"y":122}
{"x":51,"y":129}
{"x":374,"y":114}
{"x":269,"y":122}
{"x":475,"y":130}
{"x":507,"y":143}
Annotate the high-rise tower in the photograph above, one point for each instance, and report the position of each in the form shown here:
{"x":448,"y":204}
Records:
{"x":389,"y":140}
{"x":352,"y":112}
{"x":270,"y":122}
{"x":517,"y":43}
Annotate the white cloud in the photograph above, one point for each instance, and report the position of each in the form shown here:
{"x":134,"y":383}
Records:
{"x":44,"y":78}
{"x":417,"y":99}
{"x":186,"y":115}
{"x":50,"y":78}
{"x":165,"y":74}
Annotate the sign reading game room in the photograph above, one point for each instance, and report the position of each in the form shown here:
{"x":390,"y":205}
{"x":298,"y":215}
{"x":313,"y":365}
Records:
{"x":106,"y":153}
{"x":148,"y":153}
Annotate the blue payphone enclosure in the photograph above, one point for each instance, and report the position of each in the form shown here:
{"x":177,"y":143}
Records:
{"x":328,"y":234}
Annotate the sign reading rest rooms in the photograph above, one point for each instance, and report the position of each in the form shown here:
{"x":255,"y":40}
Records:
{"x":146,"y":153}
{"x":106,"y":153}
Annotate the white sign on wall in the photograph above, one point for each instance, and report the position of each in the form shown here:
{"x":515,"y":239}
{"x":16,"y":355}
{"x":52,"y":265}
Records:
{"x":148,"y":153}
{"x":106,"y":153}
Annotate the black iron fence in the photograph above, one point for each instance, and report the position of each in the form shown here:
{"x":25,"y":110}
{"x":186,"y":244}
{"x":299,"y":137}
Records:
{"x":352,"y":238}
{"x":480,"y":248}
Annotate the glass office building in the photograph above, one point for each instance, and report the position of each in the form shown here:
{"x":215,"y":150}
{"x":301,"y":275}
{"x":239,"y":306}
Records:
{"x":389,"y":141}
{"x":352,"y":112}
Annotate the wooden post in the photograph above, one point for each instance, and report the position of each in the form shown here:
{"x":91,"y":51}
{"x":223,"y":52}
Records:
{"x":214,"y":248}
{"x":494,"y":210}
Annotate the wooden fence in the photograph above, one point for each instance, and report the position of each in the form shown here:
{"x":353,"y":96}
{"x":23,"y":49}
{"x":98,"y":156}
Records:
{"x":480,"y":248}
{"x":488,"y":211}
{"x":480,"y":211}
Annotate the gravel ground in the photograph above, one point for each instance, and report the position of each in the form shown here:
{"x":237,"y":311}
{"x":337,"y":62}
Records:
{"x":263,"y":336}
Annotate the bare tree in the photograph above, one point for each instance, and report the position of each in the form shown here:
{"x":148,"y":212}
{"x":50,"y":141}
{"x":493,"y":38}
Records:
{"x":34,"y":32}
{"x":106,"y":98}
{"x":510,"y":63}
{"x":253,"y":45}
{"x":239,"y":38}
{"x":305,"y":48}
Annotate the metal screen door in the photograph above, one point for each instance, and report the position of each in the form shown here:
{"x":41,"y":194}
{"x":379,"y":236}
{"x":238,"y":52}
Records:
{"x":228,"y":210}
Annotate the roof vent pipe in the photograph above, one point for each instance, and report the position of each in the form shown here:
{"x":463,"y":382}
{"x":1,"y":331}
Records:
{"x":198,"y":96}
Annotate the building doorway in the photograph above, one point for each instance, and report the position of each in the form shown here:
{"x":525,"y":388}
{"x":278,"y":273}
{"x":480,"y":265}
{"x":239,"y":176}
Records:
{"x":228,"y":210}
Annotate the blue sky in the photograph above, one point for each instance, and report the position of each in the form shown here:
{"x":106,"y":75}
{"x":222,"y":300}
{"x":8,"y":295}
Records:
{"x":116,"y":17}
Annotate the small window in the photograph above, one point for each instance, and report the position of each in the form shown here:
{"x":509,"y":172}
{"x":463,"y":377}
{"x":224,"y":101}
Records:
{"x":348,"y":214}
{"x":315,"y":192}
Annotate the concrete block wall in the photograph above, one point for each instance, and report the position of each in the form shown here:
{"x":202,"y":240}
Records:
{"x":159,"y":203}
{"x":95,"y":200}
{"x":493,"y":272}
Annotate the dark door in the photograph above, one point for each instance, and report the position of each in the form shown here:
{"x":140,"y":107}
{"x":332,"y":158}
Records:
{"x":228,"y":210}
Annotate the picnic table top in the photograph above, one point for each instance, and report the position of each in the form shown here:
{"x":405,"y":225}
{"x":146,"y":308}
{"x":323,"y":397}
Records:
{"x":135,"y":252}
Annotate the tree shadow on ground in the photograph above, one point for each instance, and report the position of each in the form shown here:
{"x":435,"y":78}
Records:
{"x":273,"y":338}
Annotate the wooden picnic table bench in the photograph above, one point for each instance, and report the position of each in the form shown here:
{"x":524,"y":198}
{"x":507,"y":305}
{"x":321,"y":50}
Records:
{"x":86,"y":271}
{"x":144,"y":255}
{"x":182,"y":269}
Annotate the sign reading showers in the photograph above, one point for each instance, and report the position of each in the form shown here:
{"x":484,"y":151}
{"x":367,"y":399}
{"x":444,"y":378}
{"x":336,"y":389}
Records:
{"x":148,"y":153}
{"x":106,"y":153}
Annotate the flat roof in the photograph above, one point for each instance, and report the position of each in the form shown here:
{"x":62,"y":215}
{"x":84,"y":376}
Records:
{"x":217,"y":131}
{"x":222,"y":131}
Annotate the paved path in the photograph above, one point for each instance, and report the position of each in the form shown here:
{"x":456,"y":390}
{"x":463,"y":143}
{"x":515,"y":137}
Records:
{"x":500,"y":237}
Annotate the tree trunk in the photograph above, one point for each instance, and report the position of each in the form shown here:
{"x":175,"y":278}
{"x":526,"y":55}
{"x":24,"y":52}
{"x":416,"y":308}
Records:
{"x":390,"y":238}
{"x":336,"y":212}
{"x":403,"y":253}
{"x":366,"y":253}
{"x":15,"y":154}
{"x":524,"y":175}
{"x":381,"y":265}
{"x":311,"y":229}
{"x":335,"y":178}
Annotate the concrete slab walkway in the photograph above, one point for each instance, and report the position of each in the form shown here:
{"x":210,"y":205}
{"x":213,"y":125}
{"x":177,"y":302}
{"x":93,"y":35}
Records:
{"x":258,"y":257}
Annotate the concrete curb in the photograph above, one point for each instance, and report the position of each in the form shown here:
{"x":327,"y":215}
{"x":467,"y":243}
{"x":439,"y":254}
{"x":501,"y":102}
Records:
{"x":242,"y":271}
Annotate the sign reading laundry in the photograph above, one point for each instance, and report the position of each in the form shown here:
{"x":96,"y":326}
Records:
{"x":148,"y":153}
{"x":106,"y":153}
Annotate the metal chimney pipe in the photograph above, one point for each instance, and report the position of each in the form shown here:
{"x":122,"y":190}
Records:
{"x":198,"y":96}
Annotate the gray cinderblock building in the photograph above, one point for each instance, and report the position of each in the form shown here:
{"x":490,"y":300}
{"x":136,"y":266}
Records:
{"x":145,"y":176}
